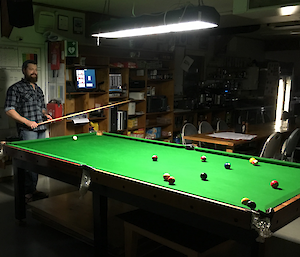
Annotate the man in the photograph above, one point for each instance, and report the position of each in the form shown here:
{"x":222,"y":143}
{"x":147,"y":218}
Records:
{"x":25,"y":104}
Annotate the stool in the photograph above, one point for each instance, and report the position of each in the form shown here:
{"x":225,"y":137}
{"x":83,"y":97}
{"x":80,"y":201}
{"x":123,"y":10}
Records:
{"x":182,"y":238}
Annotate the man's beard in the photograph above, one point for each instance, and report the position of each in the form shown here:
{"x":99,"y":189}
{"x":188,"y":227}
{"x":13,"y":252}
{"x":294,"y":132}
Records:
{"x":31,"y":79}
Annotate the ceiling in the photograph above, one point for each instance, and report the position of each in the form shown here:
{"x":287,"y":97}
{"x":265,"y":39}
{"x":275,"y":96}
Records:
{"x":271,"y":24}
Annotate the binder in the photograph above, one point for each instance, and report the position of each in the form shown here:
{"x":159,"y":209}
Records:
{"x":124,"y":119}
{"x":113,"y":112}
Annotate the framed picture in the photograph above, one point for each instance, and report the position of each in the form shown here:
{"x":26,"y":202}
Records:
{"x":77,"y":25}
{"x":63,"y":22}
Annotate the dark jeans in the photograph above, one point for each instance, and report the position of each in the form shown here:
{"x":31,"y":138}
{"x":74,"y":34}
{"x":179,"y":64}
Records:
{"x":31,"y":178}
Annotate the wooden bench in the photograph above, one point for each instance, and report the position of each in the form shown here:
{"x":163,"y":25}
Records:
{"x":182,"y":238}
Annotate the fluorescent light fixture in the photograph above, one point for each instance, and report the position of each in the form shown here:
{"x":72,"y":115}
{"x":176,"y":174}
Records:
{"x":287,"y":95}
{"x":288,"y":10}
{"x":185,"y":19}
{"x":279,"y":105}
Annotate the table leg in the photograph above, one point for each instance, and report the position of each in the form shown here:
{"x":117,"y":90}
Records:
{"x":100,"y":209}
{"x":19,"y":185}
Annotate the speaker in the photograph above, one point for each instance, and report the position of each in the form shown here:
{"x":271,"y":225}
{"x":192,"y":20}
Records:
{"x":20,"y":13}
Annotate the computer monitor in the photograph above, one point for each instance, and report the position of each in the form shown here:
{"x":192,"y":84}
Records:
{"x":85,"y":79}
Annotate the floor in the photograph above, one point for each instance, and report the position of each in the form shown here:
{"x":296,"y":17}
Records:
{"x":33,"y":238}
{"x":36,"y":239}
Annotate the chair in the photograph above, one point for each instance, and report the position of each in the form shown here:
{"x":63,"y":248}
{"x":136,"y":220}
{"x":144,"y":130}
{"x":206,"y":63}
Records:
{"x":289,"y":146}
{"x":271,"y":146}
{"x":205,"y":127}
{"x":222,"y":126}
{"x":187,"y":130}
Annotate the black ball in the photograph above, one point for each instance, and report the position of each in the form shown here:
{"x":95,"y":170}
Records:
{"x":251,"y":205}
{"x":203,"y":176}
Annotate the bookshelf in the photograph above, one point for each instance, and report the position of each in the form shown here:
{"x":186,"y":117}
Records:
{"x":146,"y":77}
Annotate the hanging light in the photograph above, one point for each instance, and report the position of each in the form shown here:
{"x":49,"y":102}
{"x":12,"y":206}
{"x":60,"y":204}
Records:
{"x":185,"y":19}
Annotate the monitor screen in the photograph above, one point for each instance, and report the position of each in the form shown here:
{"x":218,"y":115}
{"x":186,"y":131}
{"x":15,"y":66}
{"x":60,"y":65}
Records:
{"x":86,"y":79}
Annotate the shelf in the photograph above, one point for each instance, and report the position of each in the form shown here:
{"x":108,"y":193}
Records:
{"x":135,"y":128}
{"x":165,"y":137}
{"x":159,"y":80}
{"x":117,"y":98}
{"x":79,"y":124}
{"x":97,"y":118}
{"x":135,"y":115}
{"x":76,"y":93}
{"x":158,"y":113}
{"x":98,"y":93}
{"x":75,"y":66}
{"x":137,"y":89}
{"x":90,"y":92}
{"x":136,"y":100}
{"x":158,"y":125}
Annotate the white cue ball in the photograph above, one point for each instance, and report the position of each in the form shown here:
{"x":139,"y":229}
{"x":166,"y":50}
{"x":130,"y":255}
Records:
{"x":74,"y":137}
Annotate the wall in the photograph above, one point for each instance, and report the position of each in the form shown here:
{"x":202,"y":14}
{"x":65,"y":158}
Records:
{"x":246,"y":47}
{"x":28,"y":40}
{"x":289,"y":56}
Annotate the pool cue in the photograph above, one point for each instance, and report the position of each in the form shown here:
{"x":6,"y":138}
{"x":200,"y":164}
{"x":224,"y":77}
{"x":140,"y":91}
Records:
{"x":83,"y":112}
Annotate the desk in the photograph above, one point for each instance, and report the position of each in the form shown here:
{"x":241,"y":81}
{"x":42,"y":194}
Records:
{"x":262,"y":131}
{"x":122,"y":168}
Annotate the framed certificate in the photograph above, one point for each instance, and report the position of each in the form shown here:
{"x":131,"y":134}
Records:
{"x":63,"y":22}
{"x":77,"y":25}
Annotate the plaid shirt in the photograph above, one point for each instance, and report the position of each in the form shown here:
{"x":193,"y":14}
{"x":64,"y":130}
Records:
{"x":28,"y":102}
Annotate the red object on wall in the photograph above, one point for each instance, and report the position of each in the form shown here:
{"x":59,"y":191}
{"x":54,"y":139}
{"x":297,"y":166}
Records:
{"x":55,"y":55}
{"x":55,"y":110}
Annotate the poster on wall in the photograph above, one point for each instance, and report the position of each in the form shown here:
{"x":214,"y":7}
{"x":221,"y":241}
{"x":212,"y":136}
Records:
{"x":9,"y":56}
{"x":28,"y":53}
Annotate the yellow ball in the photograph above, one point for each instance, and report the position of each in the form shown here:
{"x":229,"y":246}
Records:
{"x":245,"y":200}
{"x":251,"y":159}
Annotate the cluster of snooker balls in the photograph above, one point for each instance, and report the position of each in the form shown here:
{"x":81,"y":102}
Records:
{"x":245,"y":201}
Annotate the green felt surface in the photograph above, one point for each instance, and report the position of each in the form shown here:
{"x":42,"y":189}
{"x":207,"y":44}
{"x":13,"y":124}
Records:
{"x":133,"y":158}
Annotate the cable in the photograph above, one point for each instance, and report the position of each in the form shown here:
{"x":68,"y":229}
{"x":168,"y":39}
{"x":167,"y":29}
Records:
{"x":185,"y":7}
{"x":104,"y":6}
{"x":133,"y":9}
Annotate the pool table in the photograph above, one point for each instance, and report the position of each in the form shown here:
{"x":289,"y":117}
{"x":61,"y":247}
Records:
{"x":122,"y":168}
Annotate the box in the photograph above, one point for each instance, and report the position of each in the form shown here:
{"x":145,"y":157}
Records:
{"x":131,"y":65}
{"x":132,"y":123}
{"x":137,"y":95}
{"x":55,"y":110}
{"x":131,"y":108}
{"x":117,"y":64}
{"x":138,"y":133}
{"x":153,"y":133}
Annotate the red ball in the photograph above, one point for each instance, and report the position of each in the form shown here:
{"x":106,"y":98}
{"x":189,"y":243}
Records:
{"x":274,"y":183}
{"x":171,"y":180}
{"x":255,"y":162}
{"x":154,"y":157}
{"x":203,"y":158}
